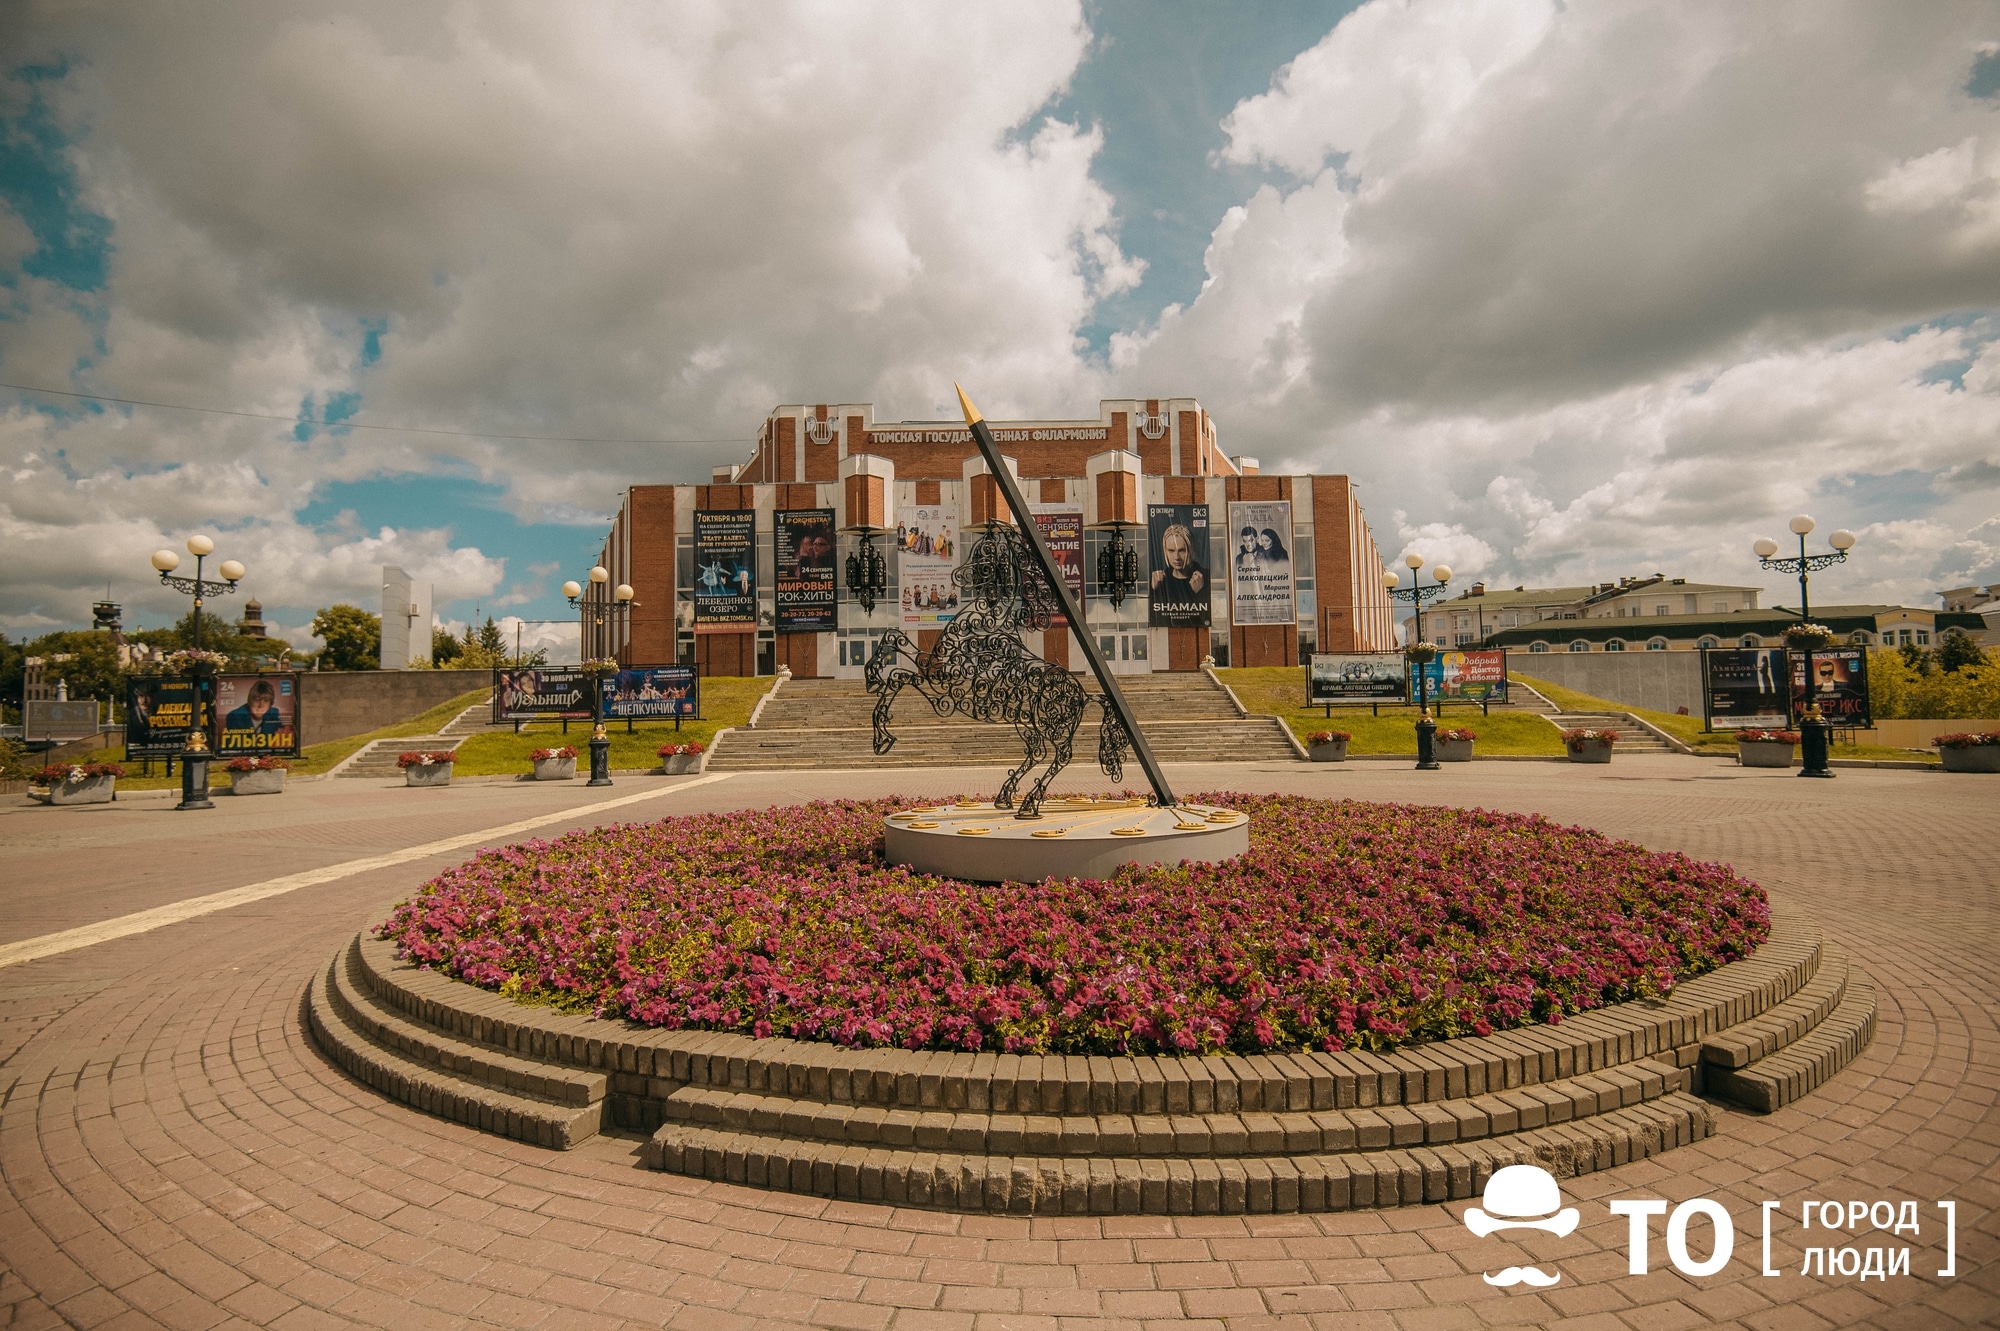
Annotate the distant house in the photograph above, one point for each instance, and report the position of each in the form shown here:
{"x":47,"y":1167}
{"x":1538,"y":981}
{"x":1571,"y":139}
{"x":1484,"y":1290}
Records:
{"x":1480,"y":613}
{"x":1865,"y":625}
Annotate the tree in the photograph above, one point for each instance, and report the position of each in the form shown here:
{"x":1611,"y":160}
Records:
{"x":91,"y":670}
{"x":490,"y":638}
{"x":1956,"y":649}
{"x":353,"y":638}
{"x":445,"y":648}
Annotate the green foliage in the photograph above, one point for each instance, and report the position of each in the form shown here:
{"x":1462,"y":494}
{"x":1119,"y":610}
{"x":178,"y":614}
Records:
{"x":486,"y":649}
{"x":92,"y":670}
{"x":353,"y":638}
{"x":445,"y":648}
{"x":13,"y":665}
{"x":1956,"y":650}
{"x":1899,"y":688}
{"x":13,"y":760}
{"x":490,"y":637}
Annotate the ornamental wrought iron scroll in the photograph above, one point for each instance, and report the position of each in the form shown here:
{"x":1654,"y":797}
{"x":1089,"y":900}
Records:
{"x":979,"y":669}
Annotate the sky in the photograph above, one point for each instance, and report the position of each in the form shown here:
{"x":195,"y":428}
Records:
{"x":1572,"y":292}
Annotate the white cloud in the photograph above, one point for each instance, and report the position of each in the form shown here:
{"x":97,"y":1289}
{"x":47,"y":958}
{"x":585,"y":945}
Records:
{"x":1583,"y":291}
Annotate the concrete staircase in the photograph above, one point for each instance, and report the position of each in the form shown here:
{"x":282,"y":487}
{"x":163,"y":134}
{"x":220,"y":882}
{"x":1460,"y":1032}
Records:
{"x":1632,"y":737}
{"x":829,"y":723}
{"x":378,"y":760}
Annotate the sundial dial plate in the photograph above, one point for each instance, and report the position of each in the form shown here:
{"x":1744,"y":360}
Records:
{"x":1073,"y":838}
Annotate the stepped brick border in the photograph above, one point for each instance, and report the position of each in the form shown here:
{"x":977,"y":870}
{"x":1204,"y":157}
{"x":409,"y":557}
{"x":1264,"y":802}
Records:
{"x":1060,"y":1134}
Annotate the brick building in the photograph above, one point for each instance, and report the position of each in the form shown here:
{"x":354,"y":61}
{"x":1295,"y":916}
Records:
{"x":1134,"y":459}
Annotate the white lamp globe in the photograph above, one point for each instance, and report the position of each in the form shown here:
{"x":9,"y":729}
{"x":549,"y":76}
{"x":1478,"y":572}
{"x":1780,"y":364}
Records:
{"x":200,"y":545}
{"x":572,"y":590}
{"x":166,"y":561}
{"x":1442,"y":573}
{"x":599,"y":573}
{"x":1765,"y":547}
{"x":1389,"y":580}
{"x":624,"y":592}
{"x":1802,"y":524}
{"x":233,"y":570}
{"x":1413,"y":560}
{"x":1841,"y":540}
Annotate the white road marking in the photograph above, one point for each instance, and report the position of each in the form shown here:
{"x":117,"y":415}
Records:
{"x":123,"y":926}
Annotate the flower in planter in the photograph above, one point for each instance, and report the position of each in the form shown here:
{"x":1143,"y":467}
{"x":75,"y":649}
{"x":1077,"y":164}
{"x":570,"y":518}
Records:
{"x":1345,"y":925}
{"x":1803,"y":636}
{"x":1754,"y":736}
{"x":425,"y":758}
{"x":601,"y":665}
{"x":681,"y":750}
{"x":544,"y":755}
{"x":75,"y":774}
{"x":1576,"y":737}
{"x":1456,"y":733}
{"x":1968,"y":739}
{"x":259,"y":763}
{"x":1329,"y":737}
{"x":189,"y":661}
{"x":1421,"y":653}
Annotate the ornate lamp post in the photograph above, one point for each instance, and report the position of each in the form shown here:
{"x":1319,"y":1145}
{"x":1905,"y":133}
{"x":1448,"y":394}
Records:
{"x":1420,"y":653}
{"x":599,"y":612}
{"x":1812,"y":726}
{"x":1803,"y":563}
{"x":1117,"y":566}
{"x":867,"y":573}
{"x":194,"y":760}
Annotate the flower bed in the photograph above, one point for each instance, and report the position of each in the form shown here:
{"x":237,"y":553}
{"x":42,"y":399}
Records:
{"x":1345,"y":925}
{"x":1767,"y":737}
{"x":259,"y":763}
{"x":547,"y":755}
{"x":1968,"y":739}
{"x":1329,"y":737}
{"x":75,"y":774}
{"x":680,"y":759}
{"x":424,"y":758}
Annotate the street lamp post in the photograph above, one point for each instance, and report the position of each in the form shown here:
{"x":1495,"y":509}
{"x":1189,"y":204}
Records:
{"x":1416,"y":594}
{"x":194,"y":759}
{"x":1813,"y":736}
{"x":1803,"y":563}
{"x":597,"y":611}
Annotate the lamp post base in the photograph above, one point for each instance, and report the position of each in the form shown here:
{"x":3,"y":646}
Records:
{"x":1426,"y":744}
{"x":600,"y":760}
{"x":1813,"y":748}
{"x":194,"y":782}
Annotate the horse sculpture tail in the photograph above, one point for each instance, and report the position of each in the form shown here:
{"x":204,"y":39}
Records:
{"x":1113,"y":744}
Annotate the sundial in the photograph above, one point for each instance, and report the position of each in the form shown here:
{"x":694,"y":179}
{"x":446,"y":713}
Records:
{"x":981,"y":668}
{"x":1074,"y":837}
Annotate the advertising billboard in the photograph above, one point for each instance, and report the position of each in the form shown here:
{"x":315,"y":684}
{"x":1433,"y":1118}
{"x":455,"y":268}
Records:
{"x":1837,"y":679}
{"x":1260,"y":564}
{"x":1475,"y":676}
{"x":804,"y":542}
{"x":1745,"y":688}
{"x":926,"y":552}
{"x":256,"y":714}
{"x":1340,"y":677}
{"x":1176,"y":548}
{"x":540,"y":692}
{"x":51,"y":718}
{"x":725,"y":570}
{"x":652,"y":691}
{"x":1063,"y":534}
{"x":160,"y":714}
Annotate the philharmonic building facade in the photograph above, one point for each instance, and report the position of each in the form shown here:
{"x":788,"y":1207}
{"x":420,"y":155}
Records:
{"x":1178,"y":552}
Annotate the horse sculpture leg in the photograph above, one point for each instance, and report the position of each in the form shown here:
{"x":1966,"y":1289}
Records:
{"x":885,"y":680}
{"x":1031,"y":742}
{"x":1057,"y":706}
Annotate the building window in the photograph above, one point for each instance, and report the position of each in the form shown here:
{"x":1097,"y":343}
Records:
{"x":1722,"y":607}
{"x":1747,"y":640}
{"x":1660,"y":609}
{"x":1858,"y":638}
{"x":1461,"y":639}
{"x":1579,"y":646}
{"x":1923,"y":638}
{"x":1709,"y":644}
{"x":1657,"y":645}
{"x":1615,"y":645}
{"x":1538,"y":647}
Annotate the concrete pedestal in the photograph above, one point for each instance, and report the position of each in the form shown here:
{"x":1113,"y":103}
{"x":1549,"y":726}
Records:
{"x":1074,"y":838}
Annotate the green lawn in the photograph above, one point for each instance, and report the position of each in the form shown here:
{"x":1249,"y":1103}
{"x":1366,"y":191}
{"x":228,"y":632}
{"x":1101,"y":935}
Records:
{"x":1281,"y":690}
{"x":1688,"y":728}
{"x":725,"y":701}
{"x":315,"y":759}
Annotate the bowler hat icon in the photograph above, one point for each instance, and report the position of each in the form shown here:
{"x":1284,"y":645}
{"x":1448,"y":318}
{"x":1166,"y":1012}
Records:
{"x":1522,"y":1197}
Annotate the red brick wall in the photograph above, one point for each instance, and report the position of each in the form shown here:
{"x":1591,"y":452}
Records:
{"x":1333,"y":563}
{"x":650,"y":510}
{"x":1156,"y":456}
{"x":726,"y":653}
{"x":823,"y":460}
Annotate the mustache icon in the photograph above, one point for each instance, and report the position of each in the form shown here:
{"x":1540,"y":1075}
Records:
{"x":1523,"y":1275}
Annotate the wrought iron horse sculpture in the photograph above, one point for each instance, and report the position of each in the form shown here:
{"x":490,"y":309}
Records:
{"x":979,"y":668}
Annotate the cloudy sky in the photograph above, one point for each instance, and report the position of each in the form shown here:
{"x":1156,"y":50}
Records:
{"x":1572,"y":291}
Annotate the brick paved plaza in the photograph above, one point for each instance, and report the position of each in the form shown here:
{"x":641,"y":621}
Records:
{"x":178,"y":1153}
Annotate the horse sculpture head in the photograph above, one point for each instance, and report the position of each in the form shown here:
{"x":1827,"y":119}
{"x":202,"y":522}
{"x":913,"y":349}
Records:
{"x":999,"y":577}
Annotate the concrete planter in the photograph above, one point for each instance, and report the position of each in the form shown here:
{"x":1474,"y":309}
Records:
{"x":1590,"y":751}
{"x":97,"y":790}
{"x":1335,"y":752}
{"x":555,"y":769}
{"x":265,"y":781}
{"x":1763,"y":753}
{"x":1979,"y":758}
{"x":437,"y":774}
{"x":680,"y":764}
{"x":1452,"y":750}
